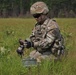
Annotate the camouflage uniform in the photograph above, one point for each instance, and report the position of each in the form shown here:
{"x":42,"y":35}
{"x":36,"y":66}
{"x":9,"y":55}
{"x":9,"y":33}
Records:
{"x":47,"y":39}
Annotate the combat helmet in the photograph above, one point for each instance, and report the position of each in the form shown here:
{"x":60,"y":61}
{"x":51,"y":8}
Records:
{"x":39,"y":7}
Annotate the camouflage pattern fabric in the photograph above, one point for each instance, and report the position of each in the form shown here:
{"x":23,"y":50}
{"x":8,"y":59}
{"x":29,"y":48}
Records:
{"x":39,"y":7}
{"x":47,"y":38}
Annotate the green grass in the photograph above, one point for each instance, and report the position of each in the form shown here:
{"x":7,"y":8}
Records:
{"x":12,"y":29}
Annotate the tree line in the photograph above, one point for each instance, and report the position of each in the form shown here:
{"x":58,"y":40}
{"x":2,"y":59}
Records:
{"x":20,"y":8}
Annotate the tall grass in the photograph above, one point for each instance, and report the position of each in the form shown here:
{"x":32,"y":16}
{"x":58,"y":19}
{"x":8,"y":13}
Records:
{"x":11,"y":64}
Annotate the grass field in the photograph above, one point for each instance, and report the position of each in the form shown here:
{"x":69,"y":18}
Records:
{"x":12,"y":29}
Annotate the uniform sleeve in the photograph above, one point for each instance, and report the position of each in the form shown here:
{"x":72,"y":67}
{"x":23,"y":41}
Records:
{"x":48,"y":41}
{"x":32,"y":36}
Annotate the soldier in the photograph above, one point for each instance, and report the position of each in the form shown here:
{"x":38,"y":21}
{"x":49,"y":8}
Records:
{"x":46,"y":38}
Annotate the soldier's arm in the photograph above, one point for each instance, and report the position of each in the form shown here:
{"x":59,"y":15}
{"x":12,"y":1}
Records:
{"x":32,"y":36}
{"x":49,"y":40}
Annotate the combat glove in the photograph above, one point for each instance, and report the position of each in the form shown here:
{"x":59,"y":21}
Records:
{"x":20,"y":50}
{"x":28,"y":44}
{"x":25,"y":43}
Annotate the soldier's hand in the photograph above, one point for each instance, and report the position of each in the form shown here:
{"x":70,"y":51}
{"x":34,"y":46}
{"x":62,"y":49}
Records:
{"x":28,"y":44}
{"x":25,"y":43}
{"x":20,"y":50}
